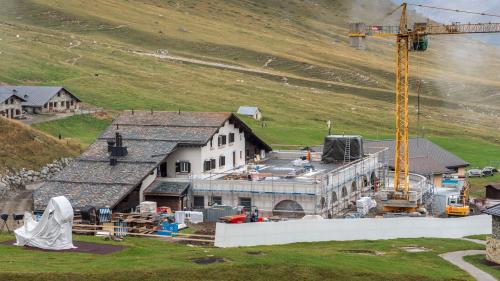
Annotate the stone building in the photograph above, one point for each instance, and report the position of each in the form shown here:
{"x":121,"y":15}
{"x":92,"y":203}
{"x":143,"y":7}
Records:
{"x":197,"y":159}
{"x":250,"y":111}
{"x":10,"y":105}
{"x":493,"y":244}
{"x":42,"y":99}
{"x":163,"y":151}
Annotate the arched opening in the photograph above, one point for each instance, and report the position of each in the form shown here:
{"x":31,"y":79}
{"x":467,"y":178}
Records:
{"x":354,"y":186}
{"x":334,"y":197}
{"x":373,"y":180}
{"x":364,"y":182}
{"x":288,"y":209}
{"x":344,"y":192}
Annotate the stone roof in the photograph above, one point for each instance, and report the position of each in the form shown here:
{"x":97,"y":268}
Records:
{"x":139,"y":151}
{"x":149,"y":138}
{"x":494,"y":211}
{"x":192,"y":135}
{"x":6,"y":95}
{"x":81,"y":194}
{"x":36,"y":96}
{"x":425,"y":157}
{"x":160,"y":187}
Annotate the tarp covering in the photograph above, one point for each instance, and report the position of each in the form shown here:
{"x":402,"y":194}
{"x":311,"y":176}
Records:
{"x":335,"y":146}
{"x":53,"y":231}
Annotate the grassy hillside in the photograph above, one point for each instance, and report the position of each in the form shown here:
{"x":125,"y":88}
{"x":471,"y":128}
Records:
{"x":24,"y":147}
{"x":97,"y":51}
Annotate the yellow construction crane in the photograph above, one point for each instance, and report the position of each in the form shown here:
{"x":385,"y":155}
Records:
{"x":415,"y":39}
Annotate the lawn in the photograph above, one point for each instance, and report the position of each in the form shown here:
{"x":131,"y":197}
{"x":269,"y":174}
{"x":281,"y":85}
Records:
{"x":84,"y":128}
{"x":483,"y":237}
{"x":480,"y":262}
{"x":148,"y":259}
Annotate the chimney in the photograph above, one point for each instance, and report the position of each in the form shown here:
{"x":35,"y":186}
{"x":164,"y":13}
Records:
{"x":113,"y":161}
{"x":132,"y":111}
{"x":118,"y":150}
{"x":111,"y":144}
{"x":151,"y":111}
{"x":14,"y":91}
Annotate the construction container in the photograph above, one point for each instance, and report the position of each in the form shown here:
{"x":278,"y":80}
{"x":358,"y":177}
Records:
{"x":440,"y":199}
{"x":213,"y":213}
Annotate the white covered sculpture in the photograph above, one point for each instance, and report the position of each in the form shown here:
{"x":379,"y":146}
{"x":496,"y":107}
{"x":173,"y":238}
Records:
{"x":53,"y":231}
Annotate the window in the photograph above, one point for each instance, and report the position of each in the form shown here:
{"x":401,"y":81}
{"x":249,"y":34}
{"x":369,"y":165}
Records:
{"x":45,"y":105}
{"x":183,"y":167}
{"x":50,"y":105}
{"x":222,"y":140}
{"x":241,"y":154}
{"x":72,"y":102}
{"x":59,"y":94}
{"x":231,"y":137}
{"x":199,"y":202}
{"x":213,"y":165}
{"x":217,"y":200}
{"x":246,"y":202}
{"x":222,"y":161}
{"x":241,"y":136}
{"x":206,"y":165}
{"x":212,"y":142}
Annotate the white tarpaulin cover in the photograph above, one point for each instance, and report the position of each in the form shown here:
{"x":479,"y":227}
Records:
{"x":53,"y":231}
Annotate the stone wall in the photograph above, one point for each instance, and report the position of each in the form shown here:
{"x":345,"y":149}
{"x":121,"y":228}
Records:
{"x":493,"y":244}
{"x":21,"y":178}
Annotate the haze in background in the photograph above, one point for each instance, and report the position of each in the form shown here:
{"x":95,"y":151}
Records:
{"x":447,"y":17}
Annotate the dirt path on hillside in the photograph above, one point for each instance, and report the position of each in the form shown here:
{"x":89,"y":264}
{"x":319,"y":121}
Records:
{"x":274,"y":74}
{"x":72,"y":61}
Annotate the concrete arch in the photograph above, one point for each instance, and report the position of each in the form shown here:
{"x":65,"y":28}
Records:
{"x":344,"y":192}
{"x":354,"y":186}
{"x":334,"y":197}
{"x":364,"y":182}
{"x":288,"y":209}
{"x":373,"y":180}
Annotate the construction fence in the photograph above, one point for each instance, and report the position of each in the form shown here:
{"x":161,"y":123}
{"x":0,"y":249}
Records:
{"x":293,"y":231}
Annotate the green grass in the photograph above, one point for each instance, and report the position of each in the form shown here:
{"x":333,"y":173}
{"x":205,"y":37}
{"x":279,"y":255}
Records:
{"x":308,"y":43}
{"x":25,"y":147}
{"x":149,"y":259}
{"x":483,"y":237}
{"x":477,"y":260}
{"x":477,"y":152}
{"x":84,"y":128}
{"x":477,"y":184}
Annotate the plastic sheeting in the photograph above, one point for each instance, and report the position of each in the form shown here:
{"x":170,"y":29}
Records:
{"x":335,"y":146}
{"x":53,"y":231}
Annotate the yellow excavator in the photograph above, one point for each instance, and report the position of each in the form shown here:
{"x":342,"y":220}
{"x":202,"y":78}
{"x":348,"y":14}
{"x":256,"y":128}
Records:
{"x":411,"y":39}
{"x":458,"y":205}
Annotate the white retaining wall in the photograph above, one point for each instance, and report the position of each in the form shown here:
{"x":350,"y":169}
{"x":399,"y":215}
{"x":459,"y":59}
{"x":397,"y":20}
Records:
{"x":271,"y":233}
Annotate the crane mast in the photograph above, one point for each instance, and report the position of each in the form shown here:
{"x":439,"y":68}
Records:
{"x":401,"y":166}
{"x":415,"y":39}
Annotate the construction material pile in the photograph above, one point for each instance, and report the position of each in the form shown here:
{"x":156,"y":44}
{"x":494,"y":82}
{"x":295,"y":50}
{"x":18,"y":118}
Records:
{"x":364,"y":204}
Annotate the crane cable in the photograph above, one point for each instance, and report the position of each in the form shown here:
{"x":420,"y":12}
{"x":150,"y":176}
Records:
{"x":455,"y":10}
